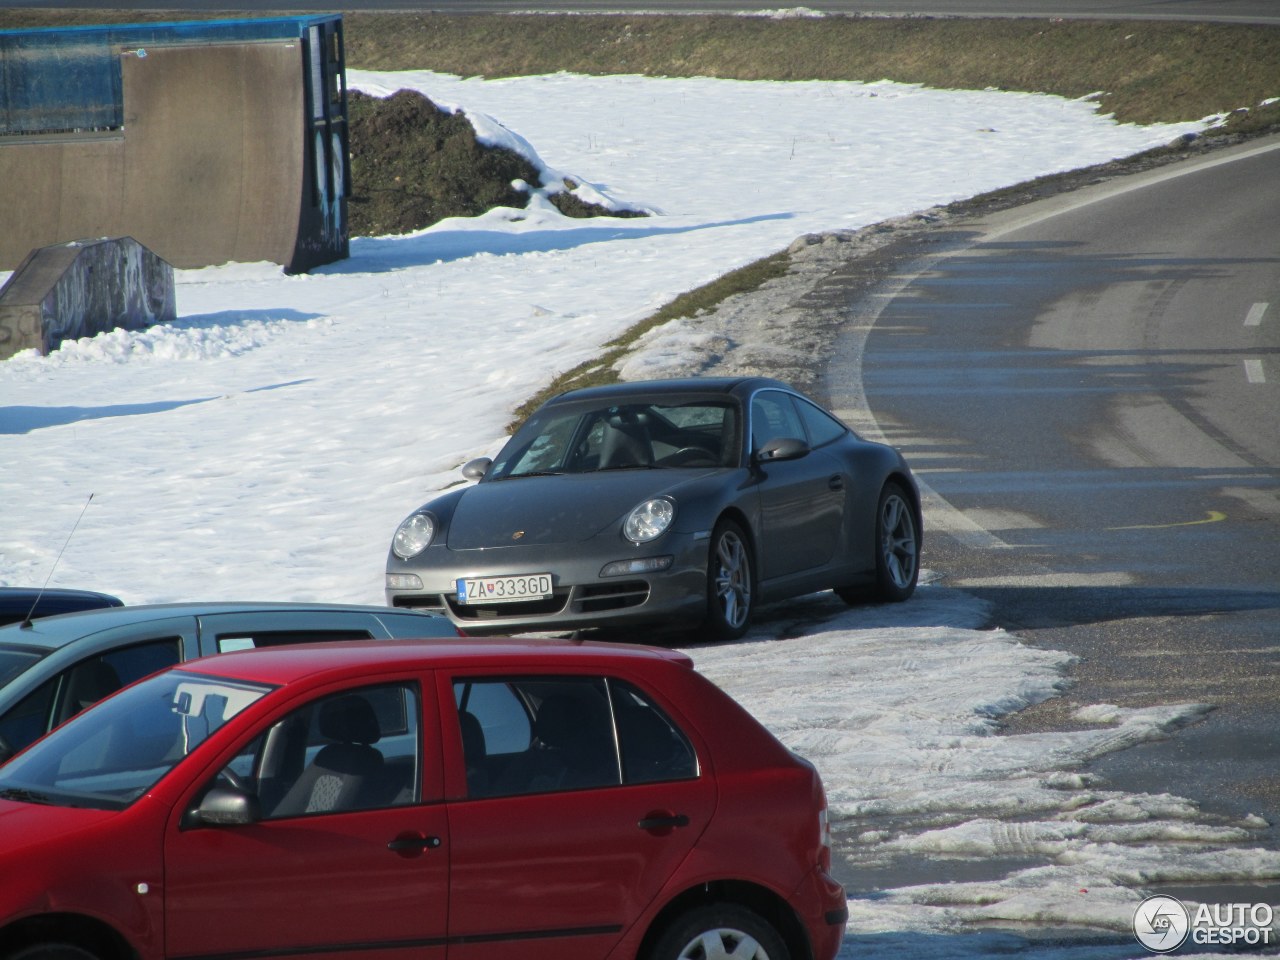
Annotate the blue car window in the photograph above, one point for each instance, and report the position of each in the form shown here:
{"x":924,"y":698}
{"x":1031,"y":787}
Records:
{"x":30,"y":718}
{"x":90,"y":680}
{"x":16,"y":661}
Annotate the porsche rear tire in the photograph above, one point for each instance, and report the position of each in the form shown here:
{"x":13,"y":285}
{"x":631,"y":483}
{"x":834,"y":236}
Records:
{"x":897,"y":546}
{"x":898,"y":543}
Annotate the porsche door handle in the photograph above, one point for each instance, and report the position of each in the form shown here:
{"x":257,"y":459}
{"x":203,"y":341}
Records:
{"x":836,"y":482}
{"x":663,"y":822}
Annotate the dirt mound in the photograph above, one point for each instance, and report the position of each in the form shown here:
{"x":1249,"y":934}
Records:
{"x":413,"y":164}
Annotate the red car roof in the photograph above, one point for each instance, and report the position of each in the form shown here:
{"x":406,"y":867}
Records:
{"x":285,"y":664}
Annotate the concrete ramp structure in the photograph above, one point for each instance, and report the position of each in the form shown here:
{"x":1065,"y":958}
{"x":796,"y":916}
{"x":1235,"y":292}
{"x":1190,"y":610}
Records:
{"x":206,"y":141}
{"x":80,"y":289}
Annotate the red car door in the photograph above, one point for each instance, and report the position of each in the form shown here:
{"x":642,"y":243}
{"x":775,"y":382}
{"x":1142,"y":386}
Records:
{"x":555,"y":865}
{"x":330,"y":869}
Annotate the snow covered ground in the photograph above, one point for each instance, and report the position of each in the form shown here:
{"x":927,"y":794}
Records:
{"x":266,"y":444}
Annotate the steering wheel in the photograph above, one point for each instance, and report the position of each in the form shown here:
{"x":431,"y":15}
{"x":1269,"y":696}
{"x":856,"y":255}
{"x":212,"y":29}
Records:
{"x":233,"y":779}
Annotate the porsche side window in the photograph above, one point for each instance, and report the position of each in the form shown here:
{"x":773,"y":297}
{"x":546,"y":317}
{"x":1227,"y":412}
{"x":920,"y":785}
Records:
{"x":822,"y":427}
{"x":773,"y":417}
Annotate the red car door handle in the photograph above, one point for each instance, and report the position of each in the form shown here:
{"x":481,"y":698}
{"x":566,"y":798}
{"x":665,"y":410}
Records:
{"x":409,"y":844}
{"x":661,"y":822}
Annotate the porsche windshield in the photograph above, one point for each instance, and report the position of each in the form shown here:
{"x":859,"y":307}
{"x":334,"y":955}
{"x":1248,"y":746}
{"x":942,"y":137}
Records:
{"x":118,"y":749}
{"x":576,"y":439}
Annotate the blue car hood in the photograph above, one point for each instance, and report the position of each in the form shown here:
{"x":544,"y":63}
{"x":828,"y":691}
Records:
{"x":568,"y":508}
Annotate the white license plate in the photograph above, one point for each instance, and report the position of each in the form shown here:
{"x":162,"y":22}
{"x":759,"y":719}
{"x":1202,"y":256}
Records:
{"x":529,"y":586}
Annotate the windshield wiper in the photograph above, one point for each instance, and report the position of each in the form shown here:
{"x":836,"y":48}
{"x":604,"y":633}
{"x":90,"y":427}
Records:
{"x":24,"y":796}
{"x":534,"y":473}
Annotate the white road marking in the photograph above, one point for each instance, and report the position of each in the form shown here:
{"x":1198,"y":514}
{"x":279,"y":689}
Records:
{"x":1068,"y":579}
{"x":1032,"y":213}
{"x":1253,"y":370}
{"x":1254,"y":317}
{"x":848,"y":392}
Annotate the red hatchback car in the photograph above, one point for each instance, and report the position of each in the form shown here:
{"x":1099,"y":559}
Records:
{"x":481,"y":799}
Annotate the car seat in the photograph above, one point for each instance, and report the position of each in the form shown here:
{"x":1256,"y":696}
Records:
{"x":345,"y":771}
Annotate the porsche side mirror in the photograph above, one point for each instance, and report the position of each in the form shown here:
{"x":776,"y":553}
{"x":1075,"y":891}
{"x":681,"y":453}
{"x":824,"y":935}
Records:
{"x":477,"y":468}
{"x":782,"y":448}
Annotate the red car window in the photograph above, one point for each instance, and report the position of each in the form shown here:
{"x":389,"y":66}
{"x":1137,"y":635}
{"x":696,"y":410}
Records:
{"x":358,"y":750}
{"x":537,"y":734}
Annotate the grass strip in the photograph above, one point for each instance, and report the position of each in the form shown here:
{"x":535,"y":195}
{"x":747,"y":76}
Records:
{"x":599,"y":370}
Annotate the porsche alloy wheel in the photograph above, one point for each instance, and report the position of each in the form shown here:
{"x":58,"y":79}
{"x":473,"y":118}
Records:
{"x":897,"y":545}
{"x":729,"y":582}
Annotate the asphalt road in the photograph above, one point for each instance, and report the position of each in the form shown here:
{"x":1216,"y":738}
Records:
{"x":1222,"y":11}
{"x":1090,"y":388}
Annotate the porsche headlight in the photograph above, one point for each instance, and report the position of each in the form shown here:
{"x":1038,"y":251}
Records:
{"x":413,"y":536}
{"x":649,"y":520}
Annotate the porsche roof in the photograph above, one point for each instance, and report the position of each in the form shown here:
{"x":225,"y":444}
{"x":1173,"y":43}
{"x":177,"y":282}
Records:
{"x":692,"y":385}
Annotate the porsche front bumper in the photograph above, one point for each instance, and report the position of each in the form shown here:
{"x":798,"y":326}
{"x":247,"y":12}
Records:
{"x":583,"y":595}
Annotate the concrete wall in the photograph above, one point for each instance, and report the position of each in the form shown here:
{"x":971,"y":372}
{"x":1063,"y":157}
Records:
{"x":210,"y":166}
{"x":75,"y":290}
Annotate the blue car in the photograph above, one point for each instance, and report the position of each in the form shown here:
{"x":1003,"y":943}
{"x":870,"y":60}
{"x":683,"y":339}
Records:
{"x":53,"y":667}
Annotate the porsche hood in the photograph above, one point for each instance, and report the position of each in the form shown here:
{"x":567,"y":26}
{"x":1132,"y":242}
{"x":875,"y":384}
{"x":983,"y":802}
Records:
{"x":569,"y":508}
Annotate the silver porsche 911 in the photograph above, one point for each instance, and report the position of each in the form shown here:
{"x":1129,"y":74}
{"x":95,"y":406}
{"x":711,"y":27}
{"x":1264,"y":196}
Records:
{"x":674,"y":503}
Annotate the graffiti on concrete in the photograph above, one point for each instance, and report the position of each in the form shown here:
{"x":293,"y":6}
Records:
{"x":83,"y":288}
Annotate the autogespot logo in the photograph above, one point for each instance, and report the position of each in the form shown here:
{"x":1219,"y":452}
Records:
{"x":1161,"y":924}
